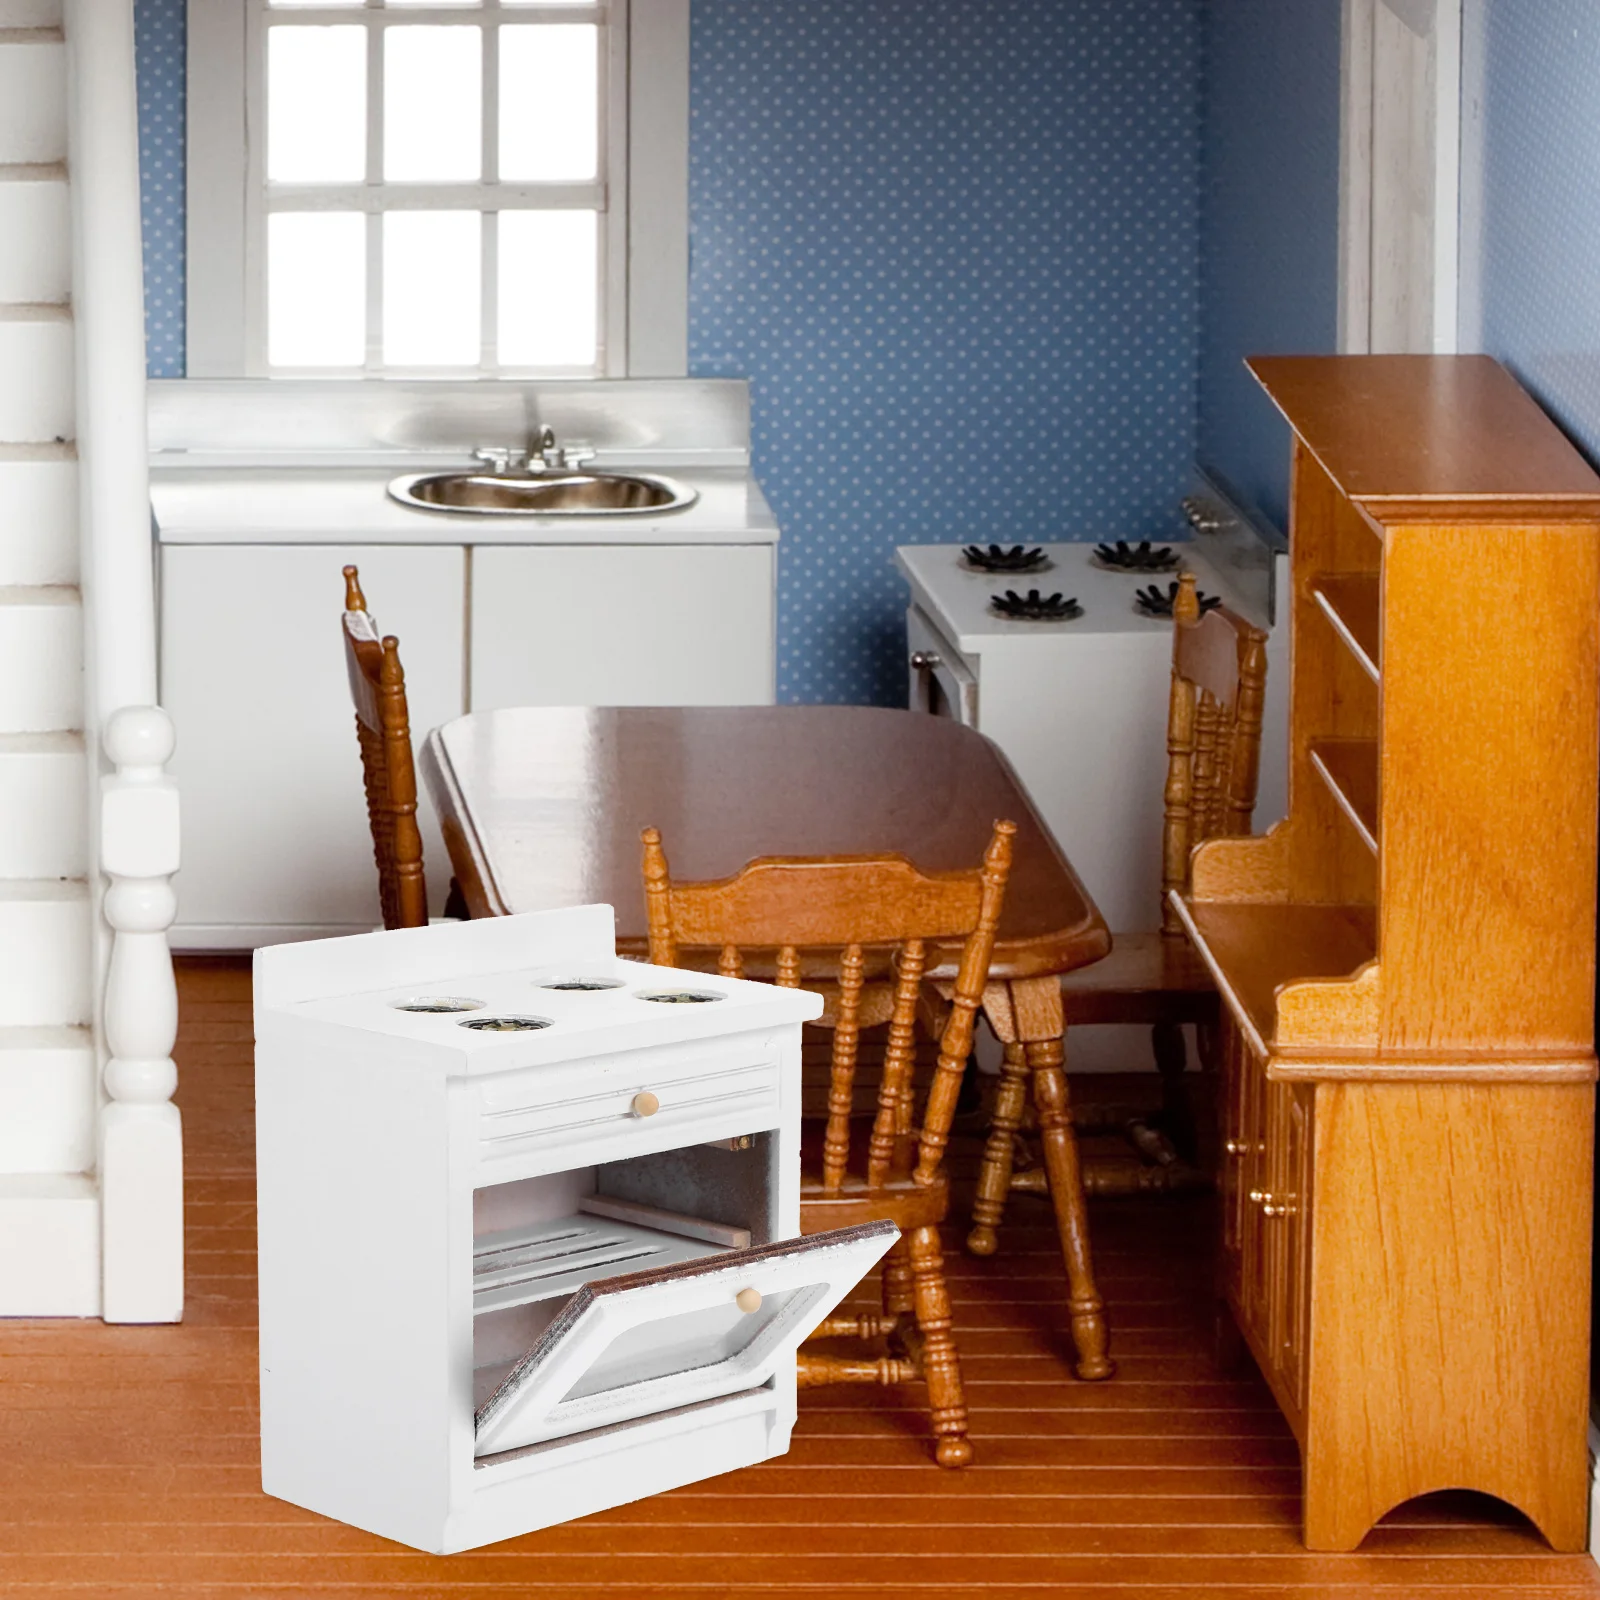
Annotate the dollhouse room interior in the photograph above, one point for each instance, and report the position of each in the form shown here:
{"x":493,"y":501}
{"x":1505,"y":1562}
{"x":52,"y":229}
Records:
{"x":798,"y":797}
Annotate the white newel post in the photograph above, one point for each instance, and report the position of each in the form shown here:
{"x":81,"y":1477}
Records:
{"x":141,"y":1140}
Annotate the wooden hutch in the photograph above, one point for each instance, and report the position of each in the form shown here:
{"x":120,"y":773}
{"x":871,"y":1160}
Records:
{"x":1407,"y":960}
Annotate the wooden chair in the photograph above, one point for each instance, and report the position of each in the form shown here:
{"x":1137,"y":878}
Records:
{"x":1219,"y":669}
{"x":849,"y":914}
{"x":383,"y":728}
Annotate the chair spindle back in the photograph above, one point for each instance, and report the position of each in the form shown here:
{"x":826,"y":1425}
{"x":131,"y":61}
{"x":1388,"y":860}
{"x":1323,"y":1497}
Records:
{"x":1219,"y":672}
{"x":855,"y":915}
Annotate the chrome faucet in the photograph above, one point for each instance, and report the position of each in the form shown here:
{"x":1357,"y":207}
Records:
{"x":555,"y":457}
{"x":501,"y":460}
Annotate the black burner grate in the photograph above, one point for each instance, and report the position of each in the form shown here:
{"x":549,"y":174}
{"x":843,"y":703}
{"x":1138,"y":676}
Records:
{"x":1154,"y":601}
{"x":996,"y":558}
{"x":1035,"y":607}
{"x":1124,"y":557}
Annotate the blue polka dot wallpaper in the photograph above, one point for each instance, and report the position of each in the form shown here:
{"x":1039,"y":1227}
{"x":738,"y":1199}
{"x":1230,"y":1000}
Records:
{"x":1531,"y":187}
{"x":1269,"y":226}
{"x":159,"y":32}
{"x":954,"y":246}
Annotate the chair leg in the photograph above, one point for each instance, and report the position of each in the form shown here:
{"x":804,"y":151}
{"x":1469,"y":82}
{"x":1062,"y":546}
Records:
{"x":1086,"y":1308}
{"x":941,"y":1365}
{"x":994,"y":1176}
{"x":1172,"y":1061}
{"x":898,"y":1297}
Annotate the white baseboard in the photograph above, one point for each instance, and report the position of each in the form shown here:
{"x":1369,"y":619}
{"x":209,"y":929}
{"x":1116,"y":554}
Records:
{"x":215,"y":938}
{"x":49,"y":1246}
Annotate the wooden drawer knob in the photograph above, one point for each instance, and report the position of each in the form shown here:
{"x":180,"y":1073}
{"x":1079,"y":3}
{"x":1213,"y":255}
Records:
{"x":748,"y":1299}
{"x":645,"y":1104}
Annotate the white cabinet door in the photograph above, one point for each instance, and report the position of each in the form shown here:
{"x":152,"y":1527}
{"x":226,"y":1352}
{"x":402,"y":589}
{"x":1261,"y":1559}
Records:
{"x":275,"y":837}
{"x":622,"y":625}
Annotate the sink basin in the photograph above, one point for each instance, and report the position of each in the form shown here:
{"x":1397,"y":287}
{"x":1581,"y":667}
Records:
{"x":542,"y":494}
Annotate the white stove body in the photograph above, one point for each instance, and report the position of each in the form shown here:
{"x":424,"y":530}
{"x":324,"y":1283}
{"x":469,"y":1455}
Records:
{"x":1080,"y":707}
{"x":512,"y":1277}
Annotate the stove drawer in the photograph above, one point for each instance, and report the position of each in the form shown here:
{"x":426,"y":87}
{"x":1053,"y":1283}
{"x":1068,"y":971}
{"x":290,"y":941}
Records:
{"x":585,"y":1112}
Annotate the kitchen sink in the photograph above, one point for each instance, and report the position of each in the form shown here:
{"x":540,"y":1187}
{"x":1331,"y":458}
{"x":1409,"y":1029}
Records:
{"x":540,"y":494}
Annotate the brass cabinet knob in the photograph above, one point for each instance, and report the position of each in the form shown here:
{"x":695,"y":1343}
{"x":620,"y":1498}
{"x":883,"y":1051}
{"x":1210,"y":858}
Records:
{"x":1235,"y":1147}
{"x":748,"y":1300}
{"x":645,"y":1104}
{"x":1278,"y":1208}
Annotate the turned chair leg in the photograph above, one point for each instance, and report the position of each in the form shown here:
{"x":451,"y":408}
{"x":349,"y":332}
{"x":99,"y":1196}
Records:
{"x":941,"y":1365}
{"x":1172,"y":1062}
{"x":1056,"y":1135}
{"x":898,"y":1297}
{"x":994,"y":1176}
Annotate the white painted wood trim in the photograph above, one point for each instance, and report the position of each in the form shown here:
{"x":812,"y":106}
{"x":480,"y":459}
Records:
{"x":658,"y":189}
{"x":1355,"y":180}
{"x":1360,"y":170}
{"x":216,"y":185}
{"x":1446,"y":175}
{"x":1469,"y":177}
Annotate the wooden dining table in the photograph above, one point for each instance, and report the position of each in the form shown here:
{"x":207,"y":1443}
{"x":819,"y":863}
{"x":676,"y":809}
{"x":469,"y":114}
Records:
{"x":542,"y":806}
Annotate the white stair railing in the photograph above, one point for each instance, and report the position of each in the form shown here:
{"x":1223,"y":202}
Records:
{"x":133,"y":808}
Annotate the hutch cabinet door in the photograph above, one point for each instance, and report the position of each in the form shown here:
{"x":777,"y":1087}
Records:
{"x":629,"y":1346}
{"x":622,"y":625}
{"x":275,"y":838}
{"x":1255,"y":1275}
{"x":1286,"y":1217}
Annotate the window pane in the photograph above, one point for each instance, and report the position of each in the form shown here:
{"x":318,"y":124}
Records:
{"x":548,"y":288}
{"x":549,"y":102}
{"x":431,"y":291}
{"x":432,"y":98}
{"x":316,"y":289}
{"x":316,"y":105}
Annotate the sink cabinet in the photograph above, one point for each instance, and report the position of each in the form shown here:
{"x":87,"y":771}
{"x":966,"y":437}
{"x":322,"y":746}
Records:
{"x":275,"y":837}
{"x":275,"y":830}
{"x":621,"y":625}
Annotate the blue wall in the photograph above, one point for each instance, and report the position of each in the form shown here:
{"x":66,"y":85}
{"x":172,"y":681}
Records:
{"x":945,"y":239}
{"x":159,"y":33}
{"x":1531,"y":187}
{"x":1269,"y":224}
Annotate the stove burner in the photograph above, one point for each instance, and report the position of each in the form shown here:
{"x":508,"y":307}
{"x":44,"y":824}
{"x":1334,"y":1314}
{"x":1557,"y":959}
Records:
{"x":505,"y":1024}
{"x":1035,"y":607}
{"x":439,"y":1003}
{"x":1123,"y":557}
{"x":678,"y":997}
{"x":1154,"y":601}
{"x":996,"y":558}
{"x":585,"y":985}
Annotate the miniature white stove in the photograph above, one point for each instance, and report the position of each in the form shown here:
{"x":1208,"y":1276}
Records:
{"x":528,"y":1220}
{"x":1079,"y":706}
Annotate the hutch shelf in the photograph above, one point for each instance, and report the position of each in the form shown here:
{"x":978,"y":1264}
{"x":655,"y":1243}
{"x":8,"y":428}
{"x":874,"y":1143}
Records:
{"x":1407,"y":960}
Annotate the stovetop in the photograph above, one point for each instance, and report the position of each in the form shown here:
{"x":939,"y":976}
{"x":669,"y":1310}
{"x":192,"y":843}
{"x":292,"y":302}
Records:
{"x":959,"y":599}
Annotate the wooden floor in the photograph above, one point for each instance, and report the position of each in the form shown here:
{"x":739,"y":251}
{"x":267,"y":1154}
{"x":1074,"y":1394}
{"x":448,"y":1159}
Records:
{"x":128,"y":1461}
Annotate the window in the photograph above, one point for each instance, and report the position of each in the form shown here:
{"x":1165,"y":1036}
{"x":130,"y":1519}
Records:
{"x":437,"y":187}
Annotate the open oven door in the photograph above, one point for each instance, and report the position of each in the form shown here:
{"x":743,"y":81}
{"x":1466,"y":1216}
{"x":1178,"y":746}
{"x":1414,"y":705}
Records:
{"x":629,"y":1346}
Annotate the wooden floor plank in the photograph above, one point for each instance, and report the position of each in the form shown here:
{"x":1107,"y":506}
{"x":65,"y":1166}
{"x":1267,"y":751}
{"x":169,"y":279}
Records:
{"x":129,"y":1463}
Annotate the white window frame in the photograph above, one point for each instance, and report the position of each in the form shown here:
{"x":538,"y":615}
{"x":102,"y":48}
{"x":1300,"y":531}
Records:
{"x":645,"y":224}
